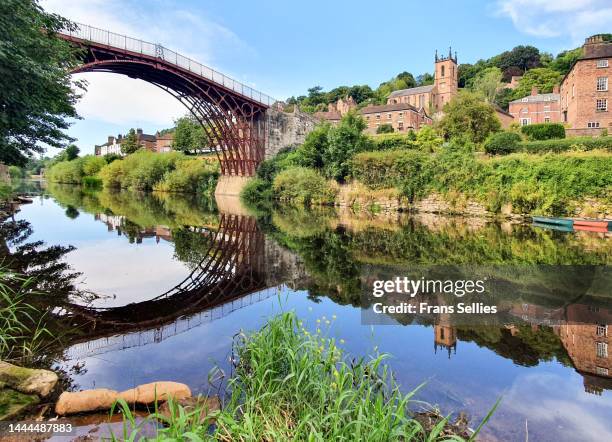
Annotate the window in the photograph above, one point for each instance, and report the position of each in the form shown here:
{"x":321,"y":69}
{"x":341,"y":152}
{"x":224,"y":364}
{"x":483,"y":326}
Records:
{"x":525,"y":100}
{"x":601,"y":371}
{"x":602,"y":350}
{"x":602,"y":330}
{"x":602,"y":84}
{"x":602,"y":63}
{"x":400,"y":125}
{"x":546,"y":119}
{"x":547,"y":107}
{"x":593,"y":124}
{"x":389,"y":116}
{"x":525,"y":121}
{"x":573,"y":90}
{"x":378,"y":116}
{"x":524,"y":110}
{"x":400,"y":115}
{"x":602,"y":105}
{"x":368,"y":117}
{"x":442,"y":71}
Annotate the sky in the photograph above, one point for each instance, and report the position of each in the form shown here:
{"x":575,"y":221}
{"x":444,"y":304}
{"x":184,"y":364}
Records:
{"x":282,"y":48}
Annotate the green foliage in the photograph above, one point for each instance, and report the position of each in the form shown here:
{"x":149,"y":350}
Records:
{"x":344,"y":141}
{"x":70,"y":153}
{"x":36,"y":95}
{"x":190,"y":176}
{"x":130,"y":143}
{"x":468,"y":116}
{"x":189,"y":136}
{"x":544,"y":131}
{"x":567,"y":144}
{"x":395,"y":141}
{"x":531,"y":183}
{"x":565,"y":60}
{"x":303,"y":186}
{"x":428,"y":140}
{"x":16,"y":172}
{"x":310,"y":153}
{"x":503,"y":97}
{"x":487,"y":82}
{"x":542,"y":78}
{"x":67,"y":172}
{"x":91,"y":182}
{"x":139,"y":171}
{"x":384,"y":129}
{"x":92,"y":164}
{"x":502,"y":143}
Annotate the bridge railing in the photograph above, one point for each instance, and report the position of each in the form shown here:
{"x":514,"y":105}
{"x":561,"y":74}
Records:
{"x":102,"y":36}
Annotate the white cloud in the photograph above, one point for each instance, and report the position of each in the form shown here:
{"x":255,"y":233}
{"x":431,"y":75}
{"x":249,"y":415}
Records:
{"x":118,"y":99}
{"x":544,"y":18}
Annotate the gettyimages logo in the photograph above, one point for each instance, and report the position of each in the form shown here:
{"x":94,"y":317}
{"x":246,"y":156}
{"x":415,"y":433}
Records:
{"x":414,"y":287}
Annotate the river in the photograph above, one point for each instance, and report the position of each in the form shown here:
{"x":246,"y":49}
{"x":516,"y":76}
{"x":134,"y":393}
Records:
{"x":146,"y":287}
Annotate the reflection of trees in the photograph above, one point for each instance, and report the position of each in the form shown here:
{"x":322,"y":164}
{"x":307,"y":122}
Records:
{"x":190,"y":247}
{"x":31,"y":259}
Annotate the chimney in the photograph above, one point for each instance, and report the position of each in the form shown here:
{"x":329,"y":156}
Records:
{"x":556,"y":89}
{"x":534,"y":90}
{"x":110,"y":139}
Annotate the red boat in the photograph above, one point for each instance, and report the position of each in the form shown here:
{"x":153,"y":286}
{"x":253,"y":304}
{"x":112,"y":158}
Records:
{"x":590,"y":229}
{"x":599,"y":223}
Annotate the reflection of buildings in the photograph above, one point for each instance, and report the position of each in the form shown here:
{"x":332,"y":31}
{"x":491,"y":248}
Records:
{"x":119,"y":224}
{"x":445,"y":336}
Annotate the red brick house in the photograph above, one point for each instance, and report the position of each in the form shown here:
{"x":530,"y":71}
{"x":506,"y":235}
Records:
{"x":537,"y":108}
{"x":401,"y":116}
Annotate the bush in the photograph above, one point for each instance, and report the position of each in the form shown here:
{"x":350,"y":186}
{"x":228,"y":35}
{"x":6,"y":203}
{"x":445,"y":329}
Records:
{"x":301,"y":185}
{"x":92,"y":165}
{"x":561,"y":145}
{"x":502,"y":143}
{"x":384,"y":129}
{"x":544,"y":131}
{"x":394,"y":141}
{"x":66,"y":172}
{"x":92,"y":182}
{"x":139,"y":171}
{"x":16,"y":172}
{"x":190,"y":176}
{"x":390,"y":168}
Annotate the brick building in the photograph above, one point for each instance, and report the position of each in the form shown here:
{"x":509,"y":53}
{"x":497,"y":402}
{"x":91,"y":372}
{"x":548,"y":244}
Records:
{"x":537,"y":108}
{"x":401,"y":116}
{"x":585,"y":94}
{"x":163,"y":142}
{"x":432,"y":97}
{"x":335,"y":111}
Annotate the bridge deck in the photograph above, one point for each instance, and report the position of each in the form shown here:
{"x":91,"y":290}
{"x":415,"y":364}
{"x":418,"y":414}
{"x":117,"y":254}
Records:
{"x":121,"y":42}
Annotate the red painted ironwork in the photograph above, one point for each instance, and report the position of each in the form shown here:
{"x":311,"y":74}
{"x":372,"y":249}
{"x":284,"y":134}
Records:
{"x":232,"y":114}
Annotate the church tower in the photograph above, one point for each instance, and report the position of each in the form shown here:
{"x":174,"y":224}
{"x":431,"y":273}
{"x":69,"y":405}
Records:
{"x":445,"y":79}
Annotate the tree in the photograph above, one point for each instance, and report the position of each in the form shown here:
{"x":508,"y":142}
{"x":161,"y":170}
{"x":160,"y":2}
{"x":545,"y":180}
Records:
{"x":523,"y":57}
{"x":503,"y":97}
{"x":487,"y":82}
{"x":36,"y":95}
{"x":310,"y":154}
{"x":189,"y":136}
{"x":344,"y":141}
{"x":542,"y":78}
{"x":361,"y":93}
{"x":130,"y":143}
{"x":71,"y":152}
{"x":565,"y":60}
{"x":384,"y":129}
{"x":424,"y":79}
{"x":469,"y":116}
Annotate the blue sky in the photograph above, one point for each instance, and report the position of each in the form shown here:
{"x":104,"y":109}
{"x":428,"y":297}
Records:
{"x":282,"y":48}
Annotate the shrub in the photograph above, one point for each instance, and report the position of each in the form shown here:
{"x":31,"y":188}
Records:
{"x":301,"y":185}
{"x":92,"y":182}
{"x":561,"y":145}
{"x":92,"y":165}
{"x":428,"y":140}
{"x":502,"y":143}
{"x":544,"y":131}
{"x":257,"y":191}
{"x":67,"y":172}
{"x":394,"y":141}
{"x":390,"y":168}
{"x":384,"y":129}
{"x":190,"y":176}
{"x":140,"y":170}
{"x":16,"y":172}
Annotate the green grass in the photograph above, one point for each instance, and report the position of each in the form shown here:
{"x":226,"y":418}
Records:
{"x":290,"y":384}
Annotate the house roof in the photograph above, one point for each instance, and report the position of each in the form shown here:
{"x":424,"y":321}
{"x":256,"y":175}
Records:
{"x":387,"y":108}
{"x":411,"y":91}
{"x":538,"y":98}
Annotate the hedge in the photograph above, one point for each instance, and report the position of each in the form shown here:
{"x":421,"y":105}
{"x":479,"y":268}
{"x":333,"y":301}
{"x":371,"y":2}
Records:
{"x":387,"y":168}
{"x":544,"y":131}
{"x":502,"y":143}
{"x":566,"y":144}
{"x":394,"y":141}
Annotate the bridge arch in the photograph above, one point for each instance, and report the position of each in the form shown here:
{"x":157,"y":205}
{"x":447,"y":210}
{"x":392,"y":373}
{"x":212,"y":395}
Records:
{"x":232,"y":114}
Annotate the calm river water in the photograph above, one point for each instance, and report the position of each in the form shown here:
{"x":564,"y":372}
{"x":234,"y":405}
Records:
{"x":109,"y":257}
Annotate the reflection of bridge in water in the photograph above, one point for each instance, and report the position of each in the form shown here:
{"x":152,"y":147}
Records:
{"x":239,"y":269}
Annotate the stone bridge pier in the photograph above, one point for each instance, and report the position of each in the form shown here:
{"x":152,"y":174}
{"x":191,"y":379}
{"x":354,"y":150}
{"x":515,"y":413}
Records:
{"x":283,"y":130}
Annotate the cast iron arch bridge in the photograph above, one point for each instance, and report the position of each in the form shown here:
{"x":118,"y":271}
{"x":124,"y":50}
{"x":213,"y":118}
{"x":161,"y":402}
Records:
{"x":232,"y":114}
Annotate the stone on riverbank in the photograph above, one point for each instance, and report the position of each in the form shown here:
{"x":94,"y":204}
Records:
{"x":87,"y":400}
{"x":27,"y":380}
{"x":146,"y":394}
{"x":13,"y":403}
